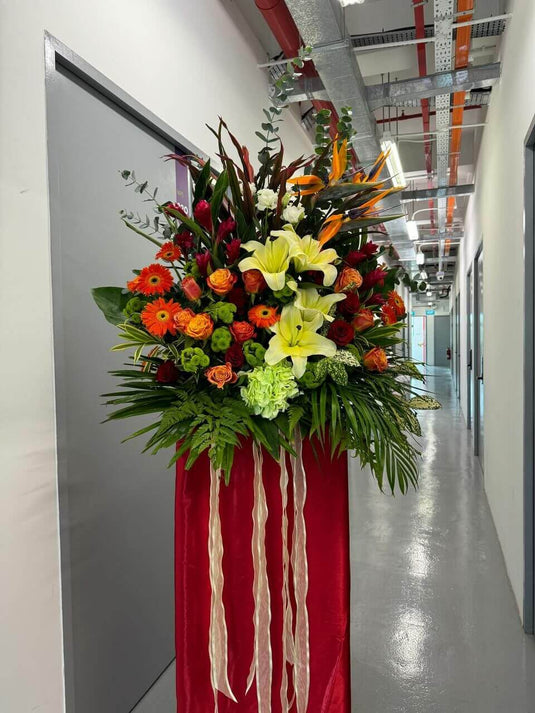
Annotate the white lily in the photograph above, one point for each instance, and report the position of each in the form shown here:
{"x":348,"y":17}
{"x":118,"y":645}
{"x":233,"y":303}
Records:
{"x":271,"y":258}
{"x":311,"y":303}
{"x":297,"y":339}
{"x":308,"y":254}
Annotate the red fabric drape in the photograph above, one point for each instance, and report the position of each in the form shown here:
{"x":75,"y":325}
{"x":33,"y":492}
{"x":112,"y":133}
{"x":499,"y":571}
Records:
{"x":327,"y":522}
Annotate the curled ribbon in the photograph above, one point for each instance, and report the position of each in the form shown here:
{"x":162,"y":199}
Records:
{"x":218,"y":635}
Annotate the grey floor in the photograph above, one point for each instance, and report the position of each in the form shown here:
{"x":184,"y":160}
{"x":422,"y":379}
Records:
{"x":435,"y":628}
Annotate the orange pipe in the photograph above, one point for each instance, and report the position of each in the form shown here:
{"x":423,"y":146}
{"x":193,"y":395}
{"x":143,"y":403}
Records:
{"x":462,"y":49}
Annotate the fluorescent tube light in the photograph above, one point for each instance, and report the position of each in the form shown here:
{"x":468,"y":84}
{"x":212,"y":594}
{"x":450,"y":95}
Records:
{"x":345,"y":3}
{"x":423,"y":275}
{"x":412,"y":229}
{"x":393,"y":163}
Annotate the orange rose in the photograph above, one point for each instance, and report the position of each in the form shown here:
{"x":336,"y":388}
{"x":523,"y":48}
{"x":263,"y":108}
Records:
{"x":363,"y":320}
{"x":221,"y":281}
{"x":200,"y":326}
{"x":348,"y":280}
{"x":375,"y":359}
{"x":397,"y":302}
{"x":182,"y":318}
{"x":242,"y":331}
{"x":389,"y":313}
{"x":191,"y":288}
{"x":254,"y":281}
{"x":221,"y":375}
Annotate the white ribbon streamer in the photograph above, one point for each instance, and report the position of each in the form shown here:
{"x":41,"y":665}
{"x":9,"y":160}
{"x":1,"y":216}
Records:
{"x":300,"y":571}
{"x":218,"y":635}
{"x":288,"y":648}
{"x":262,"y":664}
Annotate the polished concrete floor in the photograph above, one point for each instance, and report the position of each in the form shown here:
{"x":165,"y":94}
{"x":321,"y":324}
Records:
{"x":435,"y":627}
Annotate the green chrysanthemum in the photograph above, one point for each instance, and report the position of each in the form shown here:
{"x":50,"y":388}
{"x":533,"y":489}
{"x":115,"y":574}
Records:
{"x":268,"y":390}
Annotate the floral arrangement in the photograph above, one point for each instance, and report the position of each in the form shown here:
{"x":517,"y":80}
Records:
{"x":266,"y":310}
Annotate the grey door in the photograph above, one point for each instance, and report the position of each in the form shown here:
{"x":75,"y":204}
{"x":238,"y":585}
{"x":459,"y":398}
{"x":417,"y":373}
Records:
{"x":116,"y":505}
{"x":479,"y":363}
{"x":457,"y":347}
{"x":442,"y":340}
{"x":469,"y":347}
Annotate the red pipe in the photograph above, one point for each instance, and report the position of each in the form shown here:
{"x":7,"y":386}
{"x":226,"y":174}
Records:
{"x":284,"y":29}
{"x":419,"y":23}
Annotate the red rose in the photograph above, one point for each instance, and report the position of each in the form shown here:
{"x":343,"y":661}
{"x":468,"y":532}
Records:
{"x":184,"y":240}
{"x":341,"y":332}
{"x":238,"y":297}
{"x":254,"y":281}
{"x":363,"y":320}
{"x":350,"y":306}
{"x":233,"y":251}
{"x":203,"y":261}
{"x":235,"y":356}
{"x":203,"y":215}
{"x":225,"y":229}
{"x":167,"y":373}
{"x":242,"y":331}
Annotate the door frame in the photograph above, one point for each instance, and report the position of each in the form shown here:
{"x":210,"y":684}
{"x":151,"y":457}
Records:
{"x":476,"y":356}
{"x":57,"y":57}
{"x":469,"y":345}
{"x":529,"y":382}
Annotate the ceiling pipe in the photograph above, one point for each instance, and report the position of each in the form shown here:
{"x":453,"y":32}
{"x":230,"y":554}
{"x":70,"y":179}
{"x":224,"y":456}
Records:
{"x":281,"y":24}
{"x":406,"y":117}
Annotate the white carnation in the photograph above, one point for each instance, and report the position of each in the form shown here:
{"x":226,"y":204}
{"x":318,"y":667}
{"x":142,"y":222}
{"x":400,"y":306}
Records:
{"x":266,"y":199}
{"x":293,"y":214}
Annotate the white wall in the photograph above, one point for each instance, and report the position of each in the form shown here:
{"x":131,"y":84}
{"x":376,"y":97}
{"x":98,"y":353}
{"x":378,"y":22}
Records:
{"x":187,"y":61}
{"x":495,"y":214}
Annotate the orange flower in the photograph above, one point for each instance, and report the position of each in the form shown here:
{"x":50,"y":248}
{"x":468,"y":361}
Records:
{"x":339,"y":162}
{"x":221,"y":281}
{"x":389,"y":314}
{"x":363,"y":320}
{"x":152,"y":280}
{"x":253,"y":281}
{"x":182,"y":318}
{"x":221,"y":375}
{"x":263,"y":316}
{"x":397,"y":302}
{"x":169,"y":251}
{"x":191,"y":288}
{"x":242,"y":331}
{"x":348,"y":280}
{"x":200,"y":326}
{"x":331,"y":227}
{"x":375,"y":359}
{"x":158,"y":317}
{"x":307,"y":184}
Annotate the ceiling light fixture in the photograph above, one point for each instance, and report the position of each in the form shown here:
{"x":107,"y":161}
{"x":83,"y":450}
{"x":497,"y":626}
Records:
{"x":420,"y":258}
{"x":393,"y":162}
{"x":423,"y":275}
{"x":412,"y":229}
{"x":345,"y":3}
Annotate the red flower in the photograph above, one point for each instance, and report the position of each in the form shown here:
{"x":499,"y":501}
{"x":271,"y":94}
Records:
{"x":376,"y":299}
{"x":350,"y":306}
{"x":184,"y":240}
{"x":370,"y":248}
{"x":238,"y":297}
{"x":233,"y":251}
{"x":389,"y":314}
{"x":375,"y":277}
{"x":203,"y":215}
{"x":167,"y":373}
{"x":355,"y":257}
{"x":341,"y":332}
{"x":242,"y":331}
{"x":225,"y":229}
{"x":235,"y":356}
{"x":174,"y":206}
{"x":191,"y":288}
{"x":254,"y":281}
{"x":203,"y":261}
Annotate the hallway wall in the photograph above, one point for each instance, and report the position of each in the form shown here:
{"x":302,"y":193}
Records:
{"x":495,"y":215}
{"x":185,"y":61}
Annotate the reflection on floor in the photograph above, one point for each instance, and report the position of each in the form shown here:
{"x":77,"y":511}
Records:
{"x":434,"y":623}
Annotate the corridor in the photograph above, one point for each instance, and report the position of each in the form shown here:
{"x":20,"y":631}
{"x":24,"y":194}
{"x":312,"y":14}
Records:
{"x":435,"y":627}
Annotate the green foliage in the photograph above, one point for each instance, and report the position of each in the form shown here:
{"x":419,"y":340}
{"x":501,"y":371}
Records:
{"x":112,"y":302}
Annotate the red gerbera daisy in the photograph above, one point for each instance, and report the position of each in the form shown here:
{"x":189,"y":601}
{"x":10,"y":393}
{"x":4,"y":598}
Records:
{"x":263,"y":316}
{"x":169,"y":251}
{"x":158,"y":317}
{"x":152,"y":280}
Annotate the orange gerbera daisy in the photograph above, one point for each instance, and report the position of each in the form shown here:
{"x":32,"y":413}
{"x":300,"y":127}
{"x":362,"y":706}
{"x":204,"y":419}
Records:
{"x":263,"y":316}
{"x":169,"y":251}
{"x":152,"y":280}
{"x":158,"y":317}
